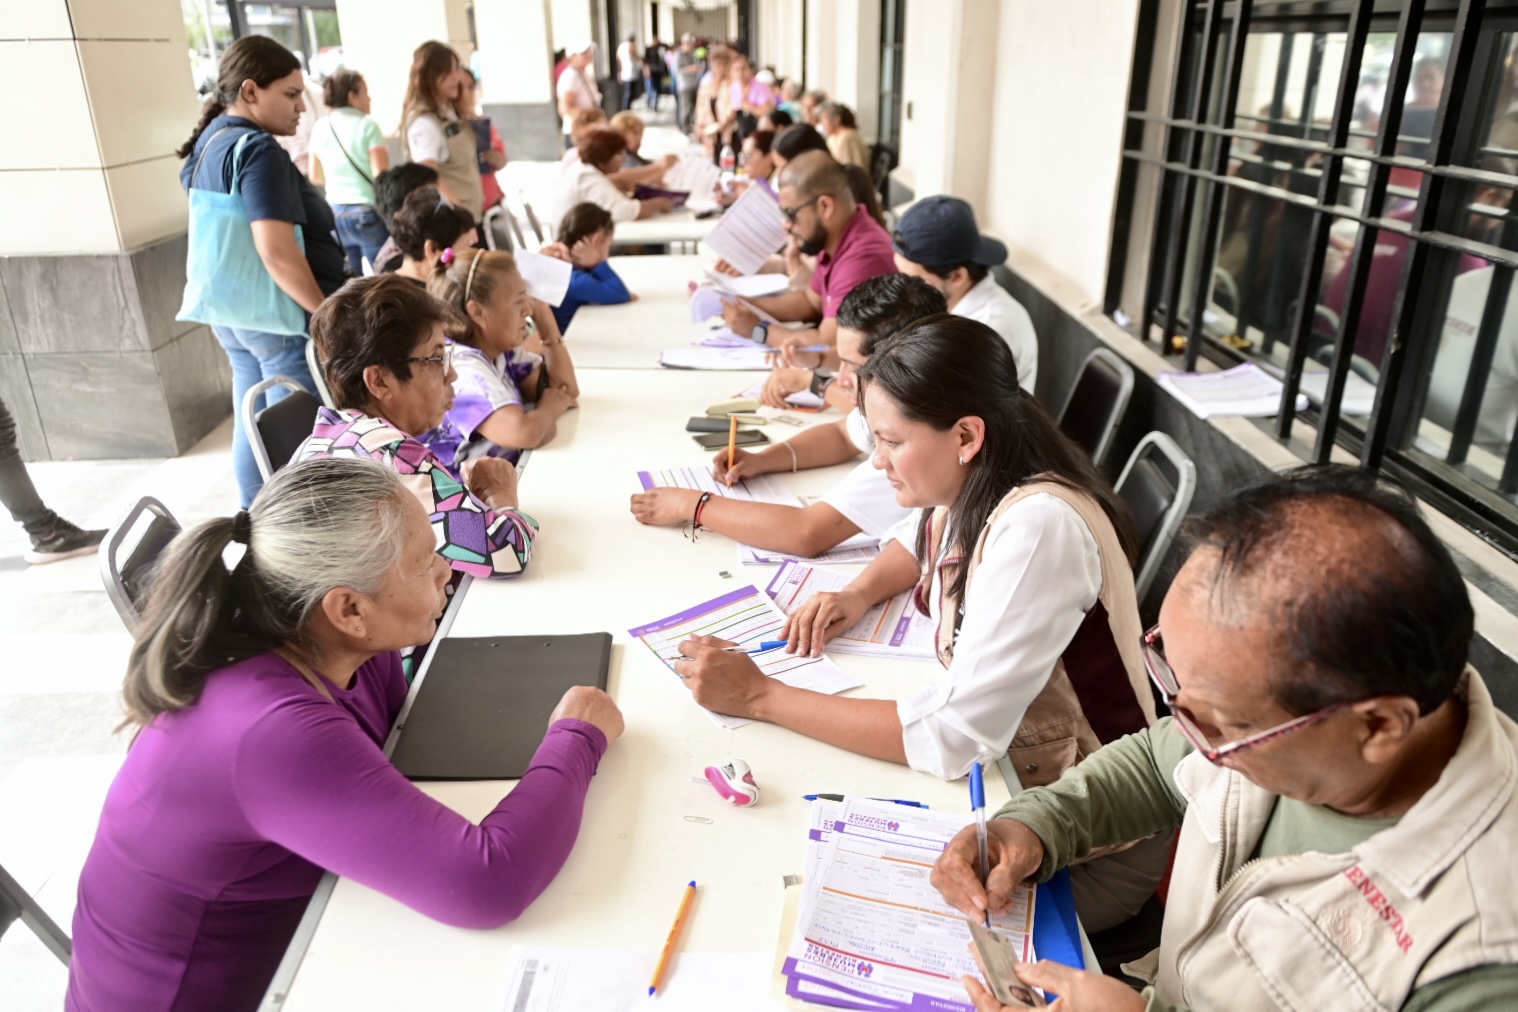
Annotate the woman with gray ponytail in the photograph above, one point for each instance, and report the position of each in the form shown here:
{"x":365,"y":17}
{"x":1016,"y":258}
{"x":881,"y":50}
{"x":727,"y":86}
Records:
{"x":263,"y":682}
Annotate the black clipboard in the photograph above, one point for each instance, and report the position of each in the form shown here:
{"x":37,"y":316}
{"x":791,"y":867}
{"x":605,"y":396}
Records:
{"x":484,"y":704}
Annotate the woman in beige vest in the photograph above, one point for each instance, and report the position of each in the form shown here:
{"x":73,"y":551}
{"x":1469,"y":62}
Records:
{"x":1019,"y":549}
{"x":432,"y":132}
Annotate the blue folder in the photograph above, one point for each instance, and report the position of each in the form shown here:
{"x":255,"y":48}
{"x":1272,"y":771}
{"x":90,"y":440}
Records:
{"x":1056,"y":932}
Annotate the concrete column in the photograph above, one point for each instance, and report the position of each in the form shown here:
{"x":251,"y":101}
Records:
{"x":516,"y":70}
{"x":92,"y":248}
{"x":843,"y":56}
{"x":379,"y":37}
{"x":949,"y":66}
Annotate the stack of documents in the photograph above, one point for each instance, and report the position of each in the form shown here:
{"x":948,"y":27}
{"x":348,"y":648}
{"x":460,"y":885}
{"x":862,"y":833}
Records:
{"x":859,"y":548}
{"x":893,"y":628}
{"x":760,"y":488}
{"x":1244,"y":390}
{"x":872,"y":932}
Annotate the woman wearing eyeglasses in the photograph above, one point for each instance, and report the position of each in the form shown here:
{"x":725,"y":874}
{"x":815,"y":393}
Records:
{"x":387,"y":362}
{"x":1019,"y":549}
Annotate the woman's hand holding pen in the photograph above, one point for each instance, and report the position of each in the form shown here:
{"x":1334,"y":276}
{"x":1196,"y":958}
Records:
{"x":819,"y":619}
{"x":1014,"y":852}
{"x":745,"y":465}
{"x":722,"y":681}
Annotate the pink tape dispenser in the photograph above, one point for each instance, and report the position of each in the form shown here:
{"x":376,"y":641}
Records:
{"x":735,"y":782}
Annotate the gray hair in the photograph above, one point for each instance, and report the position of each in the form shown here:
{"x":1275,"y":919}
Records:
{"x":321,"y":524}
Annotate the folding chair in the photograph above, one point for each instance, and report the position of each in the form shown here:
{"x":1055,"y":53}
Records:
{"x":494,"y":229}
{"x":125,"y":571}
{"x":1158,"y":501}
{"x":16,"y":904}
{"x":1096,"y":403}
{"x":314,"y":364}
{"x":276,"y":432}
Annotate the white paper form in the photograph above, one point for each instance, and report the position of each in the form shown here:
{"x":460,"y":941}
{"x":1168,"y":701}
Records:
{"x":859,"y":548}
{"x":760,"y":488}
{"x":547,"y":277}
{"x":751,"y":358}
{"x":751,"y":231}
{"x":747,"y":618}
{"x":544,"y":979}
{"x":876,"y":928}
{"x":695,"y":175}
{"x":893,"y":628}
{"x":752,"y":286}
{"x":707,"y":302}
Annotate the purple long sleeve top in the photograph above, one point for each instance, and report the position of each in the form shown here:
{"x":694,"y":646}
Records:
{"x":219,"y":824}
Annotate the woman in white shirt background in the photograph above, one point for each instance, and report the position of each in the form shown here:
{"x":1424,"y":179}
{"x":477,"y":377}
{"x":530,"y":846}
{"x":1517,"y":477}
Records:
{"x":1022,"y":553}
{"x":347,"y":153}
{"x":433,"y":133}
{"x":589,"y":180}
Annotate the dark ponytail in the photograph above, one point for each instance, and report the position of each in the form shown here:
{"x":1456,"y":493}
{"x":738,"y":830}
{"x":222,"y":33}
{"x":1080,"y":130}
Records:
{"x":255,"y":58}
{"x":945,"y":368}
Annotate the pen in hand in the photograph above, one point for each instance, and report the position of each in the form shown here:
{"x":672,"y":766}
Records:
{"x":764,"y":647}
{"x":978,"y":803}
{"x":732,"y":445}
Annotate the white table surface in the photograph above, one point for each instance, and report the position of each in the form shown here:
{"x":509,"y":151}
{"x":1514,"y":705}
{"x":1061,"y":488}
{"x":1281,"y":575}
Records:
{"x":596,"y":569}
{"x":632,"y":335}
{"x":680,"y":226}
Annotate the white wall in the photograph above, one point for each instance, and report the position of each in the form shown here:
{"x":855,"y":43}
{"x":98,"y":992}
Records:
{"x":379,"y":37}
{"x":777,"y":36}
{"x":1056,"y":119}
{"x":843,"y":56}
{"x":516,"y":61}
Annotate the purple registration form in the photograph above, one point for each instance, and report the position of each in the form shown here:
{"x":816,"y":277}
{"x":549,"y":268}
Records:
{"x":744,"y":617}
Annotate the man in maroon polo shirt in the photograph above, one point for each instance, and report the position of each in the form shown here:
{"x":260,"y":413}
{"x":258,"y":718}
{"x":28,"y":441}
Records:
{"x":850,"y":247}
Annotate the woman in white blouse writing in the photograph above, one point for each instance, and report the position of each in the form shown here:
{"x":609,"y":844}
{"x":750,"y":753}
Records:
{"x":590,"y":181}
{"x":1018,"y":548}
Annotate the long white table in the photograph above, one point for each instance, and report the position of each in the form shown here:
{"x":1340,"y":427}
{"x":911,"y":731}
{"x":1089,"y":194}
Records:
{"x":677,"y":228}
{"x":648,"y":828}
{"x":630,"y":336}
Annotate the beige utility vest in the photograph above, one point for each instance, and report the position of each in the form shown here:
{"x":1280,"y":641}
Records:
{"x":1098,"y":691}
{"x":1356,"y":932}
{"x":461,"y":172}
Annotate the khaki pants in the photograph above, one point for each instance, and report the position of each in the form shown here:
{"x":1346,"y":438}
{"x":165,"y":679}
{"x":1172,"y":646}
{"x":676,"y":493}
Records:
{"x":1111,"y":889}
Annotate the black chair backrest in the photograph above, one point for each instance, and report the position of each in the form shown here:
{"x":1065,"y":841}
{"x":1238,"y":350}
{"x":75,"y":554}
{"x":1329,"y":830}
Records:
{"x":1088,"y":414}
{"x":284,"y":426}
{"x":1003,"y":277}
{"x":882,"y":161}
{"x":137,"y":567}
{"x":1149,"y":494}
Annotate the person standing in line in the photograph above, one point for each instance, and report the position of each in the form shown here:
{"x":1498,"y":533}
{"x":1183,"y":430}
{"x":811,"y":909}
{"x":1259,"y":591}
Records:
{"x":688,"y":70}
{"x":653,"y":73}
{"x":629,"y":69}
{"x":53,"y":538}
{"x":575,"y":88}
{"x":490,"y":149}
{"x":259,"y":94}
{"x":431,"y":130}
{"x":347,"y":153}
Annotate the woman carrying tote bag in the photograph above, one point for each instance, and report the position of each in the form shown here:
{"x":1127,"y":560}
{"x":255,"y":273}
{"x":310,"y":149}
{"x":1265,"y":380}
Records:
{"x":262,"y":253}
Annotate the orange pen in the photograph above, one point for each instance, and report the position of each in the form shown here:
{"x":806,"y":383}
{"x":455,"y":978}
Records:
{"x":674,"y":937}
{"x":732,"y":444}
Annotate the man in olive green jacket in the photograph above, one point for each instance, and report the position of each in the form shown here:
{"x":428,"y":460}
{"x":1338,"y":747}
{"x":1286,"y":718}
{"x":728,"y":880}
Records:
{"x":1343,"y":783}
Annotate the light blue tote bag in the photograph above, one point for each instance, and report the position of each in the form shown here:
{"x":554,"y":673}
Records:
{"x":226,"y":282}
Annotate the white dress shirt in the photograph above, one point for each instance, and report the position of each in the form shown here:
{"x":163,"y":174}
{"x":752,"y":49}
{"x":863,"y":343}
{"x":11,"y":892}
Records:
{"x":989,"y":303}
{"x":1040,"y":574}
{"x":864,"y":497}
{"x":583,"y":182}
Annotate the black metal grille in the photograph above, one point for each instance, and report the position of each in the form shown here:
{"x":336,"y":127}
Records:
{"x":1331,"y":191}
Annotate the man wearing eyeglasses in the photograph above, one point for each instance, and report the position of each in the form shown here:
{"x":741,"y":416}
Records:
{"x":1342,"y":781}
{"x":850,"y":247}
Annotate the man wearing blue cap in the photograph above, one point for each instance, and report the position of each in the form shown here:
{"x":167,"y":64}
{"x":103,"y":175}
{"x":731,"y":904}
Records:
{"x":937,"y":240}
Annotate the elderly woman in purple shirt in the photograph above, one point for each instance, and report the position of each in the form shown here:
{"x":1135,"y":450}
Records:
{"x":263,"y":694}
{"x":388,"y":363}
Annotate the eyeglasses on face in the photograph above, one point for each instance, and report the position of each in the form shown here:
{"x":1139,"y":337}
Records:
{"x":1163,"y":676}
{"x":792,"y":212}
{"x":445,"y":359}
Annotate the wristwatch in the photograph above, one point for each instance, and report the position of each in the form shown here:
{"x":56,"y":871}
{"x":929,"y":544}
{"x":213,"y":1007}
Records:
{"x":820,"y":381}
{"x":760,"y":332}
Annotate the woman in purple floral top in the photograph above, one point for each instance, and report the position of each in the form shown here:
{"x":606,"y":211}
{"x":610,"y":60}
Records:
{"x":386,"y":357}
{"x":496,"y":376}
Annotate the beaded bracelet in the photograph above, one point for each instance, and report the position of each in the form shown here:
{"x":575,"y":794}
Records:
{"x":794,"y":463}
{"x":695,"y":519}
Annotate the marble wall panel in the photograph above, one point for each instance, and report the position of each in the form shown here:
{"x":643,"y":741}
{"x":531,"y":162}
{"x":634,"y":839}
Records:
{"x":159,"y":271}
{"x":197,"y":384}
{"x":532,"y":129}
{"x":10,"y":344}
{"x":74,"y":304}
{"x":16,"y":391}
{"x":100,"y":405}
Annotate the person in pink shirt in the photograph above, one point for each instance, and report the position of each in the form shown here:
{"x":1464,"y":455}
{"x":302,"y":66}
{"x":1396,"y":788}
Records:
{"x":262,"y":695}
{"x":825,"y":221}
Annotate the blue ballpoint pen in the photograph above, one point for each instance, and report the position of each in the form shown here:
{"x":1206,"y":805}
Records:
{"x":978,"y":803}
{"x":763,"y":648}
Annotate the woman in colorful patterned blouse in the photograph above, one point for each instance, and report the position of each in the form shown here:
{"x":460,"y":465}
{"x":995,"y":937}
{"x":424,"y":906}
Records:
{"x":496,"y":375}
{"x":387,"y":362}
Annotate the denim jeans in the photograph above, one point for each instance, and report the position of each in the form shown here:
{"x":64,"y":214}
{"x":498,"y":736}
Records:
{"x":257,"y":356}
{"x":362,"y":233}
{"x":17,"y":493}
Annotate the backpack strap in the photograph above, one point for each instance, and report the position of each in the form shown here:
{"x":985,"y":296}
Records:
{"x":236,"y":155}
{"x":344,"y":149}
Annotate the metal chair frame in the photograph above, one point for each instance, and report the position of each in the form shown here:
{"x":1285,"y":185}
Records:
{"x":111,"y":567}
{"x":266,"y":466}
{"x":1124,"y":371}
{"x":1185,"y":487}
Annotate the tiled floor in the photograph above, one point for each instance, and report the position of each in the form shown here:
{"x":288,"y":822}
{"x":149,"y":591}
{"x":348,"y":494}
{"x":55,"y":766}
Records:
{"x":59,"y":708}
{"x":66,"y":651}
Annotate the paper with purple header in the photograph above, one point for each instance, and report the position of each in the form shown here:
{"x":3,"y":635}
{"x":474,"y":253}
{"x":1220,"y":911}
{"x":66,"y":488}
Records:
{"x":893,"y":628}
